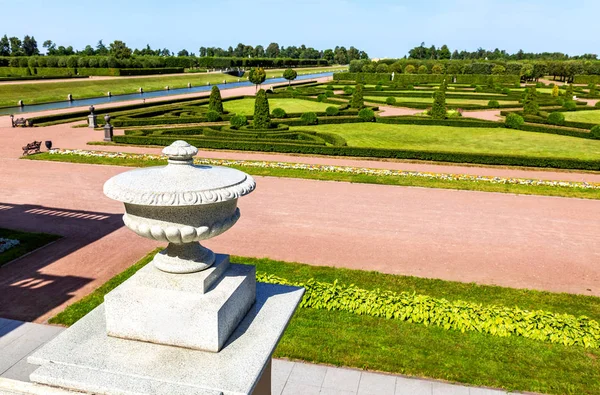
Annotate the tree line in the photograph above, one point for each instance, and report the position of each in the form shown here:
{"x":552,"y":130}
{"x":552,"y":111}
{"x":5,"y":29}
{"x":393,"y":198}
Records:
{"x":13,"y":46}
{"x":423,"y":52}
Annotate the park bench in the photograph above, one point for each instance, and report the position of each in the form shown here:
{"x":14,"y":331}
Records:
{"x":32,"y":148}
{"x":21,"y":122}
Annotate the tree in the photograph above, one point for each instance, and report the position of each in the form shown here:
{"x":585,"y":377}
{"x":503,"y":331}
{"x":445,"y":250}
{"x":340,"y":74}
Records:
{"x":257,"y":76}
{"x":498,"y":69}
{"x":290,"y":75}
{"x":357,"y":97}
{"x":88,"y":51}
{"x":423,"y":69}
{"x":202,"y":52}
{"x":340,"y":55}
{"x":30,"y":47}
{"x":438,"y":110}
{"x":120,"y":50}
{"x":555,"y":91}
{"x":569,"y":93}
{"x":437,"y":69}
{"x":353,"y":54}
{"x":409,"y":69}
{"x":259,"y":51}
{"x":272,"y":50}
{"x":262,"y":119}
{"x":101,"y":49}
{"x":15,"y":46}
{"x":530,"y":103}
{"x":183,"y":52}
{"x":382,"y":68}
{"x":214,"y":102}
{"x":444,"y":52}
{"x":4,"y":46}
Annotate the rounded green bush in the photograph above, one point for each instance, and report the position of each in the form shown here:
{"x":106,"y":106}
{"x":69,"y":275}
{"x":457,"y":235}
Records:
{"x":378,"y":87}
{"x":390,"y":100}
{"x":570,"y":105}
{"x":329,"y":87}
{"x":479,"y":88}
{"x":506,"y":91}
{"x":493,"y":104}
{"x":278,"y":113}
{"x":348,"y":90}
{"x":560,"y":101}
{"x":366,"y":114}
{"x":597,"y":105}
{"x":595,"y":132}
{"x":332,"y":111}
{"x":237,"y":121}
{"x":213,"y":116}
{"x":322,"y":97}
{"x":329,"y":93}
{"x":309,"y":118}
{"x":556,"y":118}
{"x":514,"y":121}
{"x":410,"y":87}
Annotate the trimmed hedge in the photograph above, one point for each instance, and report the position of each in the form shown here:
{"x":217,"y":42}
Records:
{"x":453,"y":157}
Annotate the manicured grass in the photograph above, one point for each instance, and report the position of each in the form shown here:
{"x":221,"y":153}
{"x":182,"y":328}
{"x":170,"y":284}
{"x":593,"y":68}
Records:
{"x":405,"y":99}
{"x":591,"y":116}
{"x":57,"y":91}
{"x":412,"y":181}
{"x":459,"y":139}
{"x":341,"y":338}
{"x":246,"y":106}
{"x":28,"y":243}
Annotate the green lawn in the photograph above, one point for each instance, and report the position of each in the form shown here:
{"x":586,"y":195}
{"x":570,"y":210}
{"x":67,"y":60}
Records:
{"x":246,"y":106}
{"x":591,"y":116}
{"x":457,"y":139}
{"x":28,"y":243}
{"x":346,"y":339}
{"x":80,"y":89}
{"x":449,"y":100}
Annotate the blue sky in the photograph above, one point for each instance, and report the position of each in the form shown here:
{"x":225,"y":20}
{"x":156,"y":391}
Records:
{"x":383,"y":28}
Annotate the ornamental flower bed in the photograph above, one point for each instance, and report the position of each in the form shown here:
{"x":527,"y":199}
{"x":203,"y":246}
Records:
{"x":338,"y":169}
{"x":7,"y":244}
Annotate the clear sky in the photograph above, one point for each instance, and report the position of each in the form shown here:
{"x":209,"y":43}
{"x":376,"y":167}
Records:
{"x":383,"y":28}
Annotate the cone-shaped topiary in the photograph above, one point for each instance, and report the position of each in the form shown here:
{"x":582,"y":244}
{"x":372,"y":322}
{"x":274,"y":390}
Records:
{"x":569,"y":93}
{"x":555,"y":91}
{"x":214,"y":102}
{"x":438,"y":110}
{"x":357,"y":97}
{"x":530,"y":103}
{"x":261,"y":120}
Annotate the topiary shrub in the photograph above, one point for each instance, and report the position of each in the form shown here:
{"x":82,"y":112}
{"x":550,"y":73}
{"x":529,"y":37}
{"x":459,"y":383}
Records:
{"x":530,"y":102}
{"x":514,"y":121}
{"x":379,"y":87}
{"x":261,"y":111}
{"x":479,"y":89}
{"x":348,"y":90}
{"x":506,"y":91}
{"x":595,"y":132}
{"x":332,"y":111}
{"x":329,"y":87}
{"x":357,"y":97}
{"x":597,"y":105}
{"x":214,"y":102}
{"x":493,"y":104}
{"x":570,"y":105}
{"x":213,"y":116}
{"x":556,"y":118}
{"x":390,"y":100}
{"x":366,"y":114}
{"x":237,"y":121}
{"x":438,"y":110}
{"x":322,"y":97}
{"x":560,"y":101}
{"x":309,"y":118}
{"x":329,"y":93}
{"x":278,"y":113}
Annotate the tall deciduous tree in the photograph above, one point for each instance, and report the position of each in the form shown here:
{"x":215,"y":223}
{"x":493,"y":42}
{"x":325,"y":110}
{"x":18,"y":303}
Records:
{"x":101,"y":49}
{"x":272,"y":50}
{"x":30,"y":46}
{"x":290,"y":75}
{"x":15,"y":46}
{"x":4,"y":46}
{"x":120,"y":50}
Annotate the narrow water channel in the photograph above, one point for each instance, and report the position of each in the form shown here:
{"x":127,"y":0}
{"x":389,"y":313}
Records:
{"x":145,"y":95}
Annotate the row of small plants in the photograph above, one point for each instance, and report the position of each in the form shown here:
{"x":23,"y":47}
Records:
{"x":458,"y":315}
{"x":335,"y":169}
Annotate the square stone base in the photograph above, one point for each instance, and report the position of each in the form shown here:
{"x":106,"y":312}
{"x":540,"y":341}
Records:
{"x":84,"y":358}
{"x":196,"y":310}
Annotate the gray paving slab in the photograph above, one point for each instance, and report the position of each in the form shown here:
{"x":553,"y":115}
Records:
{"x":376,"y":384}
{"x":280,"y":372}
{"x":33,"y":337}
{"x":449,"y":389}
{"x":341,"y":379}
{"x":20,"y":371}
{"x":306,"y":374}
{"x":297,"y":388}
{"x":486,"y":391}
{"x":406,"y":386}
{"x":331,"y":391}
{"x":13,"y":331}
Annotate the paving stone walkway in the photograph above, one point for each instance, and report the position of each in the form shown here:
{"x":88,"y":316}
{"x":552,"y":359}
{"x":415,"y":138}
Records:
{"x":19,"y":339}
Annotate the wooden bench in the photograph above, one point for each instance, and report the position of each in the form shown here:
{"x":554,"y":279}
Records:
{"x":22,"y":122}
{"x":32,"y":148}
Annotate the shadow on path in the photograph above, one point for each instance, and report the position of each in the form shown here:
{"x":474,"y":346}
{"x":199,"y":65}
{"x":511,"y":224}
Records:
{"x":32,"y":285}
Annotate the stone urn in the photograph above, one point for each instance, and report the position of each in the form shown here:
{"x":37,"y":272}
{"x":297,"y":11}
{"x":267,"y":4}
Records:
{"x":181,"y":204}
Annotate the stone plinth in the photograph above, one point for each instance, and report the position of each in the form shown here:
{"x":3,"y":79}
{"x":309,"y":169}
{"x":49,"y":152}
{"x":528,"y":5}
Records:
{"x":92,"y":121}
{"x":85,"y":358}
{"x":197,"y":310}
